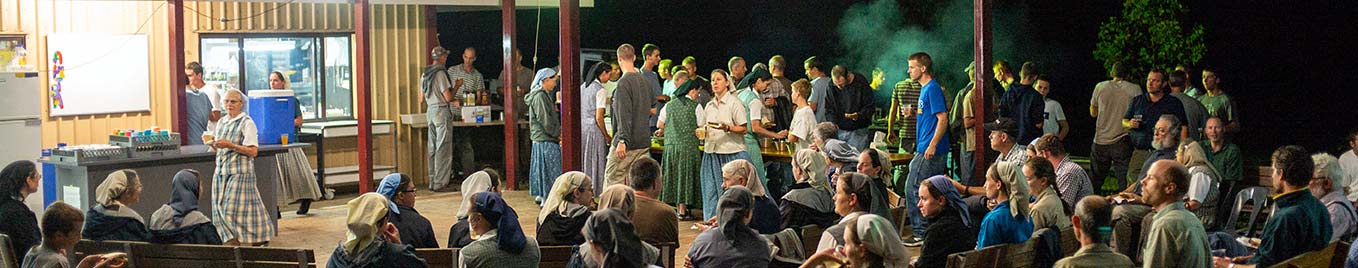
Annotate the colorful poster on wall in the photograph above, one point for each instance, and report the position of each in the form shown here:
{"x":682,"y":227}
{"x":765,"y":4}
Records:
{"x":97,"y":73}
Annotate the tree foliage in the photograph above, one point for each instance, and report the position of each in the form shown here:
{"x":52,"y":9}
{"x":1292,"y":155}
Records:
{"x":1150,"y":34}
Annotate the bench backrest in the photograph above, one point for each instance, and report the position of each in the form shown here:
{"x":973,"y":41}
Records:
{"x":1008,"y":255}
{"x":438,"y":257}
{"x":556,"y":256}
{"x":1332,"y":255}
{"x":8,"y":256}
{"x":1069,"y":245}
{"x":199,"y":256}
{"x":667,"y":251}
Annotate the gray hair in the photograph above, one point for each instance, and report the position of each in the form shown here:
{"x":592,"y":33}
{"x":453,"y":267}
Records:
{"x":827,"y":131}
{"x":438,"y":52}
{"x":1327,"y":166}
{"x":1096,"y":217}
{"x":1173,"y":122}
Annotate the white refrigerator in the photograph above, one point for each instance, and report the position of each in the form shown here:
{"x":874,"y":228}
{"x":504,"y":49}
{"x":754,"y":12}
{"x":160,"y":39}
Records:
{"x":21,"y":122}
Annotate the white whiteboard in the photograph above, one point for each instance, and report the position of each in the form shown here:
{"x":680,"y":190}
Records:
{"x":96,"y":73}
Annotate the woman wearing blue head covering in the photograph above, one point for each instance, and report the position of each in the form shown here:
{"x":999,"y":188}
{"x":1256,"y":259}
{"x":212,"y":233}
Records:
{"x":371,"y":240}
{"x":499,"y":242}
{"x":179,"y":221}
{"x":951,"y":229}
{"x":415,"y":228}
{"x":544,"y":125}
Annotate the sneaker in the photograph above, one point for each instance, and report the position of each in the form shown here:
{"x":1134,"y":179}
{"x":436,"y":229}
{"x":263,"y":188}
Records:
{"x":913,"y":242}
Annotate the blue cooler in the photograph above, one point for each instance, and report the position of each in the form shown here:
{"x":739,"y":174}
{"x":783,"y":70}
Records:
{"x":273,"y":113}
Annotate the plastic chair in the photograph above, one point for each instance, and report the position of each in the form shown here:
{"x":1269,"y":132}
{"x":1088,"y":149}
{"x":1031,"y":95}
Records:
{"x":1255,"y":197}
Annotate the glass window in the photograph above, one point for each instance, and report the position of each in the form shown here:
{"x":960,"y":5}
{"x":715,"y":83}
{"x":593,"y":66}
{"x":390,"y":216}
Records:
{"x":316,"y":67}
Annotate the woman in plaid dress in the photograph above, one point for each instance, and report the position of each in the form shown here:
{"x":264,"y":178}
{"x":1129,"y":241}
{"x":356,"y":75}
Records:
{"x":237,"y":209}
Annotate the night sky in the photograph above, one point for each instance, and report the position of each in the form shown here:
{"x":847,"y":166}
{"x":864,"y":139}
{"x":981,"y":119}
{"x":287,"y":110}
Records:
{"x":1286,"y":67}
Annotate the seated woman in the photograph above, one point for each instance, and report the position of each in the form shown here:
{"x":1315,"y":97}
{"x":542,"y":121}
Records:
{"x":371,"y":240}
{"x":111,"y":218}
{"x":1008,"y":222}
{"x":877,"y":165}
{"x":841,"y":158}
{"x":740,"y":172}
{"x":619,"y":198}
{"x":808,"y":202}
{"x":873,"y":242}
{"x":499,"y":240}
{"x":852,"y":198}
{"x":732,"y":243}
{"x":950,"y":229}
{"x":567,"y":207}
{"x":1202,"y":195}
{"x":484,"y":181}
{"x":18,"y":180}
{"x":415,"y":228}
{"x":613,"y":241}
{"x":1048,"y":211}
{"x":180,"y":222}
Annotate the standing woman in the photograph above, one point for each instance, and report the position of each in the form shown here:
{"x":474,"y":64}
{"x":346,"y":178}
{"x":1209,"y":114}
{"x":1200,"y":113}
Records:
{"x":593,"y":145}
{"x":724,"y":130}
{"x":544,"y":125}
{"x":179,"y":221}
{"x":17,"y":181}
{"x":754,"y":106}
{"x":237,"y":209}
{"x":682,"y":160}
{"x":298,"y":183}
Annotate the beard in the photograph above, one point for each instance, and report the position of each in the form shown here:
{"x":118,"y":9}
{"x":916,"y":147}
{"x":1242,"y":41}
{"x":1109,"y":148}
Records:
{"x":1163,"y":144}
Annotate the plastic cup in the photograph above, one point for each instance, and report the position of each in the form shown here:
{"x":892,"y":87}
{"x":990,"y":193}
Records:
{"x":283,"y":138}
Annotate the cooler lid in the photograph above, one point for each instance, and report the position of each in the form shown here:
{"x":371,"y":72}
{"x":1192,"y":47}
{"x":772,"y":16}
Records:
{"x":270,"y":93}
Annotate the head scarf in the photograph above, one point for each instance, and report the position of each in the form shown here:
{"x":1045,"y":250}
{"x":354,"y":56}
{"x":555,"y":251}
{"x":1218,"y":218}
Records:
{"x":944,"y":186}
{"x":556,"y":199}
{"x":731,"y":211}
{"x":683,"y":89}
{"x":742,"y":167}
{"x":390,"y":185}
{"x":476,"y":183}
{"x":1194,"y":155}
{"x":748,"y":81}
{"x":612,"y":230}
{"x":506,"y":221}
{"x":364,"y":214}
{"x":879,"y":237}
{"x":114,"y":186}
{"x":839,"y":151}
{"x":542,"y":74}
{"x":1011,"y":174}
{"x":860,"y":184}
{"x":883,"y":162}
{"x":184,"y":196}
{"x":618,"y":196}
{"x":812,"y":165}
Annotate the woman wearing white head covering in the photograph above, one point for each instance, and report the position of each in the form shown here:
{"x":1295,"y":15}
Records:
{"x":741,"y":172}
{"x":808,"y":202}
{"x":237,"y":208}
{"x":1008,"y":222}
{"x":486,"y":180}
{"x":1202,"y":195}
{"x":544,"y":126}
{"x":566,"y":209}
{"x":371,"y":241}
{"x":872,"y":242}
{"x":111,"y":218}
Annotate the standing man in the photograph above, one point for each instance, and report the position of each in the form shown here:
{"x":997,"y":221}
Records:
{"x":1348,"y":161}
{"x":1217,"y":102}
{"x":781,"y":85}
{"x":438,"y":93}
{"x":737,"y":67}
{"x":1022,"y":103}
{"x":1152,"y":105}
{"x":1112,"y":148}
{"x":651,"y":53}
{"x":631,"y":112}
{"x":1196,"y":113}
{"x":1053,"y":116}
{"x":465,"y":79}
{"x":820,"y":85}
{"x":850,"y":106}
{"x":930,"y":138}
{"x":901,"y":115}
{"x":1176,"y":237}
{"x":203,"y":104}
{"x":523,"y":83}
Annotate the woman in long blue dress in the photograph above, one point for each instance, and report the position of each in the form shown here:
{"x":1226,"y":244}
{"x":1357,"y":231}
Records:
{"x":723,"y":129}
{"x":237,"y":209}
{"x":593,"y":145}
{"x":544,"y":125}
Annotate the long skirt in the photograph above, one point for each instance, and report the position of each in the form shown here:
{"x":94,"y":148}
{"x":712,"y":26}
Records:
{"x":681,"y":167}
{"x":238,"y":211}
{"x":756,"y":157}
{"x":544,"y":169}
{"x":711,"y":179}
{"x":594,"y":154}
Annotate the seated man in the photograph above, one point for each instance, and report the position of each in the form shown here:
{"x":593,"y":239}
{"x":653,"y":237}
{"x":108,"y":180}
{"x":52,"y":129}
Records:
{"x":1225,"y":157}
{"x":1131,"y":209}
{"x":1327,"y":185}
{"x":1299,"y":223}
{"x":415,"y":228}
{"x":1093,"y":224}
{"x":655,"y":221}
{"x":1071,"y":180}
{"x":1176,"y":237}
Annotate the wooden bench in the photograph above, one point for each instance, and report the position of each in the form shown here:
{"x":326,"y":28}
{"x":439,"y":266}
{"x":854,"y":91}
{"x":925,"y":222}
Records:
{"x":198,"y":256}
{"x":555,"y":256}
{"x":1333,"y":255}
{"x":667,"y":251}
{"x":439,"y":257}
{"x":1008,"y":255}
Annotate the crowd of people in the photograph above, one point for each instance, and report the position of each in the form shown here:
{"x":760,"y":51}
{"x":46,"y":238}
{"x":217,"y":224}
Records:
{"x":1166,"y":147}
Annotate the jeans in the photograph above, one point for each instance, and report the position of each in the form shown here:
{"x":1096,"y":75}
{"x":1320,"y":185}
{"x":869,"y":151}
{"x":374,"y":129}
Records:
{"x":858,"y":138}
{"x":966,"y":169}
{"x":1112,"y":157}
{"x":920,"y":169}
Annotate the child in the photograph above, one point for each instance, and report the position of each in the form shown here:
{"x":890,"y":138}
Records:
{"x":61,"y":226}
{"x":804,"y":119}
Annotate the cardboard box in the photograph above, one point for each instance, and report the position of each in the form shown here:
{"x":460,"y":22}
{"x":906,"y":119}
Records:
{"x":469,"y":113}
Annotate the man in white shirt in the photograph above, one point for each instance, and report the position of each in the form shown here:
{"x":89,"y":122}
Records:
{"x":1349,"y":163}
{"x":1054,"y":117}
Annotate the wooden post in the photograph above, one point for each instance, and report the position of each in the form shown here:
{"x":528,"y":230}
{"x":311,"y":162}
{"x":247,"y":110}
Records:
{"x":510,"y":116}
{"x":177,"y":77}
{"x":979,"y":103}
{"x":362,"y":87}
{"x":570,"y":79}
